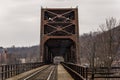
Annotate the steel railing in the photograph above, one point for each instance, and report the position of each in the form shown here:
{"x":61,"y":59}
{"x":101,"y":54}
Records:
{"x":105,"y":72}
{"x":7,"y":71}
{"x":77,"y":72}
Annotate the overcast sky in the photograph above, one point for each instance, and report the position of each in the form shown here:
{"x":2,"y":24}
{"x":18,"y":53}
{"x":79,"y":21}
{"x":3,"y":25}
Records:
{"x":20,"y":19}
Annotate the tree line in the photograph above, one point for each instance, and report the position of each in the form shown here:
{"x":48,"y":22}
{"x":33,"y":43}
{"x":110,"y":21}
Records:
{"x":103,"y":46}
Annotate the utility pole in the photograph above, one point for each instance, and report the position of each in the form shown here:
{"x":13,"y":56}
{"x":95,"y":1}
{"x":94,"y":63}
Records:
{"x":0,"y":58}
{"x":93,"y":56}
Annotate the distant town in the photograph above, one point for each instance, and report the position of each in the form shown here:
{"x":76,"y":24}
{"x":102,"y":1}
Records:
{"x":16,"y":55}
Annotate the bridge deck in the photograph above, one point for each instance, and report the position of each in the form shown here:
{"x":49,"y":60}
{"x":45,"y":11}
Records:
{"x":63,"y":74}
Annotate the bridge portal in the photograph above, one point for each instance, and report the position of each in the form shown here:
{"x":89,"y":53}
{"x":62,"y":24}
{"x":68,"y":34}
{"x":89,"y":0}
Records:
{"x":59,"y":34}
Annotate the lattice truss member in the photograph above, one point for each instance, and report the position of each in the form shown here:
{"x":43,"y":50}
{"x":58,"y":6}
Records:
{"x":59,"y":23}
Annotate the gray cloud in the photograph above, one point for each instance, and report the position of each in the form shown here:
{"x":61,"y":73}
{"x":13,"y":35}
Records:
{"x":20,"y":26}
{"x":20,"y":19}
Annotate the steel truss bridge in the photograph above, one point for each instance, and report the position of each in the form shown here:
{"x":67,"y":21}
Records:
{"x":59,"y":37}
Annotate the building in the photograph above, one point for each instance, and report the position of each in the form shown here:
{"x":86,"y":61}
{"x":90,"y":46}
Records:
{"x":4,"y":57}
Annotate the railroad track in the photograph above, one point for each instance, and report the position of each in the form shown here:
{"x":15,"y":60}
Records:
{"x":47,"y":73}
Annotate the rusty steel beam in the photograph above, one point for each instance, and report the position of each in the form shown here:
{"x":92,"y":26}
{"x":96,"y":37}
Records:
{"x":59,"y":27}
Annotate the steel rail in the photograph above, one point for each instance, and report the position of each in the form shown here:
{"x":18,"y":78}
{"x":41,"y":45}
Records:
{"x":50,"y":74}
{"x":32,"y":76}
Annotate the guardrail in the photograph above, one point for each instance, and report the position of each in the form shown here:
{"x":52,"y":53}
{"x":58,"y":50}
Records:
{"x":7,"y":71}
{"x":105,"y":72}
{"x":77,"y":72}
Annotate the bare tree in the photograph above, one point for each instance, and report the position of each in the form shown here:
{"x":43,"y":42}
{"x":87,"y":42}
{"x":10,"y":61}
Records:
{"x":87,"y":45}
{"x":105,"y":45}
{"x":108,"y":42}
